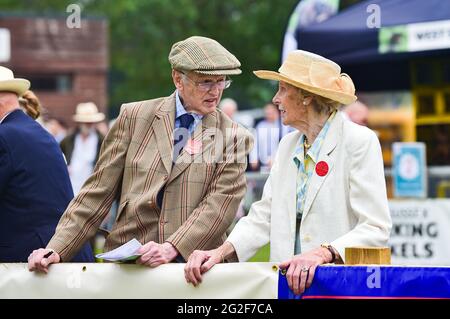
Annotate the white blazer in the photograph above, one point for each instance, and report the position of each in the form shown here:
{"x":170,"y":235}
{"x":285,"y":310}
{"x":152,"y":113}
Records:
{"x":346,"y":207}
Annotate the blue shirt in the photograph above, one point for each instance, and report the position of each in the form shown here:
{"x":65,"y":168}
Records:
{"x":180,"y":110}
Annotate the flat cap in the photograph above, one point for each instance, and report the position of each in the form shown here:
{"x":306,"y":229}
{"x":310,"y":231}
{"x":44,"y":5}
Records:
{"x":204,"y":56}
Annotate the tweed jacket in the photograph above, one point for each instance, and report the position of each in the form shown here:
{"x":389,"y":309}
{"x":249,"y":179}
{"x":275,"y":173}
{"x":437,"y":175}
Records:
{"x":203,"y":187}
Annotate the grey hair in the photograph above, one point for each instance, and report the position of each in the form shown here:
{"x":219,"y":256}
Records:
{"x":321,"y":105}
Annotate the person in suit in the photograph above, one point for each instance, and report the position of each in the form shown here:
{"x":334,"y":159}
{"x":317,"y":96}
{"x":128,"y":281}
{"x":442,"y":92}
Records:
{"x":34,"y":182}
{"x":176,"y":164}
{"x":326,"y":190}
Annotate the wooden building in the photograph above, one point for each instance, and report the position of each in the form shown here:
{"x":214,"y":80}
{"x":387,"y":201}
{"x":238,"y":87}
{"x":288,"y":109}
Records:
{"x":65,"y":65}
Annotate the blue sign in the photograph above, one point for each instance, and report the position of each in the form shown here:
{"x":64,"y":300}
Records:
{"x":409,"y":170}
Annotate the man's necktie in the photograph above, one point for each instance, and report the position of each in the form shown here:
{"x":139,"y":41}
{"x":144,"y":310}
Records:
{"x":181,"y":135}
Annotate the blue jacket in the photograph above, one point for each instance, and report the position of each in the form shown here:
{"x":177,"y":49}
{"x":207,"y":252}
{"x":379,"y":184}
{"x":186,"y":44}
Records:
{"x":35,"y":189}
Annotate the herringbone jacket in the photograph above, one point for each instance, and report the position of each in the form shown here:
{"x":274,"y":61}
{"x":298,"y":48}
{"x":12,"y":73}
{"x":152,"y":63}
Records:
{"x":203,"y":188}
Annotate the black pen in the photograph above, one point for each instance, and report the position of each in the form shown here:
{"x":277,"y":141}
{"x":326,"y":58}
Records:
{"x":48,"y":254}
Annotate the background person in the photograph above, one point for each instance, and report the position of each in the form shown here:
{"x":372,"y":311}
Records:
{"x":82,"y":147}
{"x":34,"y":183}
{"x":56,"y":127}
{"x":357,"y":112}
{"x":268,"y":134}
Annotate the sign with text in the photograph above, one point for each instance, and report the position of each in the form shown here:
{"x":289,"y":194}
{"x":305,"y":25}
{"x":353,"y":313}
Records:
{"x":420,"y":232}
{"x":423,"y":36}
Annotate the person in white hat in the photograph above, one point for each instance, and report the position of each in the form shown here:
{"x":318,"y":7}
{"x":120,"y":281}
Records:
{"x":11,"y":89}
{"x":326,"y":190}
{"x":82,"y":147}
{"x":34,"y":182}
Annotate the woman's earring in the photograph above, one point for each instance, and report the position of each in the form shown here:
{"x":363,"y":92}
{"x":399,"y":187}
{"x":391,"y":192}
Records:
{"x":304,"y":103}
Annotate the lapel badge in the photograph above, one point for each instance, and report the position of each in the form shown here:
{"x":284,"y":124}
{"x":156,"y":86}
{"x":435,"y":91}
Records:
{"x":322,"y":168}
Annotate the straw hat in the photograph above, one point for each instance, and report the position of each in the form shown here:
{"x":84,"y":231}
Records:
{"x":10,"y":84}
{"x":314,"y":74}
{"x":88,"y":113}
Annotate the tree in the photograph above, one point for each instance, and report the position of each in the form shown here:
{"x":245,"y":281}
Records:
{"x":142,"y":32}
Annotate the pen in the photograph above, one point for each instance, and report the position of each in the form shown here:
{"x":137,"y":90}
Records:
{"x":48,"y":254}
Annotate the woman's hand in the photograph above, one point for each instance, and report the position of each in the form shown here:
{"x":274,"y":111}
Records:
{"x":302,"y":267}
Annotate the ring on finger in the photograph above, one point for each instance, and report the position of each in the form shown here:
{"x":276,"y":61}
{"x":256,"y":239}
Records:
{"x":305,"y":269}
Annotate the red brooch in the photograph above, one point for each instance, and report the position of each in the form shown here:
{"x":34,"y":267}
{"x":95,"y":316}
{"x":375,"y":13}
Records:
{"x":322,"y":168}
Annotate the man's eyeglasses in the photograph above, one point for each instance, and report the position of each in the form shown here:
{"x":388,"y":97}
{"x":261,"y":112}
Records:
{"x":207,"y":86}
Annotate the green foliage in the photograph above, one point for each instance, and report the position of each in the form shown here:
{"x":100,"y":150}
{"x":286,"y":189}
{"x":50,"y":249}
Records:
{"x":143,"y":31}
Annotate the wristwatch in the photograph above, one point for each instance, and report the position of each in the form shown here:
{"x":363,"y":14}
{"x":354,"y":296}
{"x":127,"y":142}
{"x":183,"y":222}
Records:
{"x":331,"y":250}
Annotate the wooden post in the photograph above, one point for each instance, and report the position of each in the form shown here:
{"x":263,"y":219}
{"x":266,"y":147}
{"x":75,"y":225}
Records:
{"x":367,"y":256}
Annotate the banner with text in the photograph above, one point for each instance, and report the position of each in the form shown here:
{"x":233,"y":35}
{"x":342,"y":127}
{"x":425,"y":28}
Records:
{"x":420,"y":232}
{"x":433,"y":35}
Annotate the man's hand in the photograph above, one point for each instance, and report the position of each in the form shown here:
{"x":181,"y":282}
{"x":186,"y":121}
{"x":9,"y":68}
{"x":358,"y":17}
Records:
{"x":302,"y":267}
{"x":38,"y":262}
{"x":199,"y":262}
{"x":154,"y":254}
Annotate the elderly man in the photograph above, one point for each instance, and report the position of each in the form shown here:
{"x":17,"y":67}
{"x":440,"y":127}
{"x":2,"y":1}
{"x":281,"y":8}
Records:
{"x":34,"y":182}
{"x":175,"y":196}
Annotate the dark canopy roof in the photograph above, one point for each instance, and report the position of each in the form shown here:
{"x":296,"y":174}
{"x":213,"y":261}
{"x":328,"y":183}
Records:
{"x":345,"y":37}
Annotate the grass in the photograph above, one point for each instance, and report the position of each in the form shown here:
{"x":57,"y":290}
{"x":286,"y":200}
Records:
{"x":261,"y":255}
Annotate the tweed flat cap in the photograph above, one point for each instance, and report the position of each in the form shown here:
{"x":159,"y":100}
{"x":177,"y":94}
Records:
{"x":204,"y":56}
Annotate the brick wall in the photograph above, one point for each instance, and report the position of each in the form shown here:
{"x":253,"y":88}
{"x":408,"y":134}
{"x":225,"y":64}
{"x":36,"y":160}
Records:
{"x":45,"y":48}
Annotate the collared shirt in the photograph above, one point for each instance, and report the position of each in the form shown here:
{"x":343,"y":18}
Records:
{"x":306,"y":164}
{"x":83,"y":160}
{"x":180,"y":110}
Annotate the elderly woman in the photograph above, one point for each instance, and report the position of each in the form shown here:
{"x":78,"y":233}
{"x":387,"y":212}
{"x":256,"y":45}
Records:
{"x":326,"y":190}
